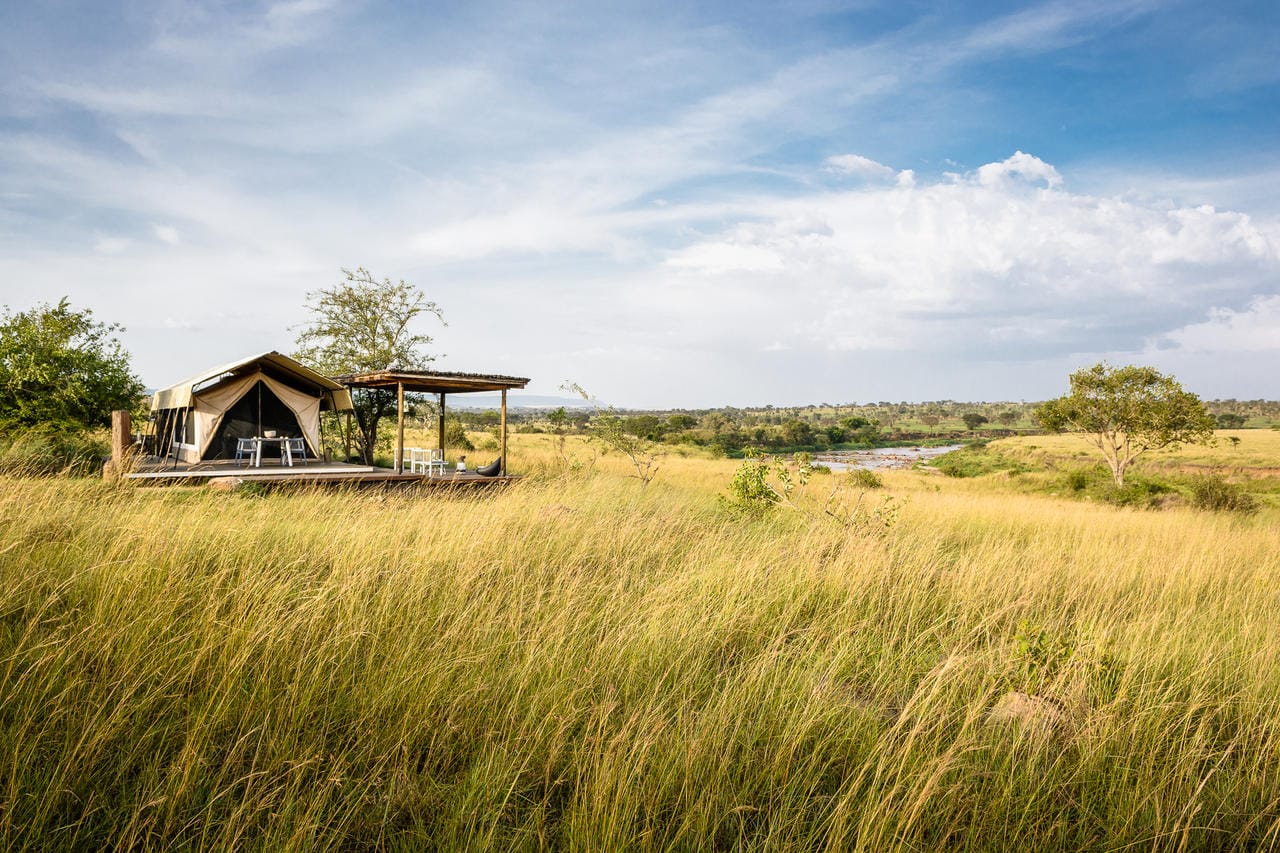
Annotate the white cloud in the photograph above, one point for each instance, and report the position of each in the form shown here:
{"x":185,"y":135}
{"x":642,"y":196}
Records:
{"x":992,"y":263}
{"x":167,"y":234}
{"x":110,"y":245}
{"x":728,"y":257}
{"x":1252,"y":330}
{"x":860,"y":167}
{"x":1051,"y":26}
{"x":1019,"y":166}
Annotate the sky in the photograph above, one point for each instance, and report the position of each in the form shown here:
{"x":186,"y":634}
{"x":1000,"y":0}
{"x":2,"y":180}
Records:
{"x":672,"y":205}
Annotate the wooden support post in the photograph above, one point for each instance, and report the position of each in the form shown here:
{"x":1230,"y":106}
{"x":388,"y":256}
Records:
{"x":399,"y":427}
{"x":121,"y":444}
{"x":121,"y":437}
{"x":347,"y":439}
{"x":441,"y":424}
{"x":502,"y":467}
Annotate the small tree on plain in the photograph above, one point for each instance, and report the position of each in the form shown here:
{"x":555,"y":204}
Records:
{"x":973,"y":420}
{"x":1230,"y":420}
{"x":361,"y":325}
{"x":1126,"y":411}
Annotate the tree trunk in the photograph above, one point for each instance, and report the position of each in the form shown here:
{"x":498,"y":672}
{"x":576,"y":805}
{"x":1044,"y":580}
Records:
{"x":371,"y":409}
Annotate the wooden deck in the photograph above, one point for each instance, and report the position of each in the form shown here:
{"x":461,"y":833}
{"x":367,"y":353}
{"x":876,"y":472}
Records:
{"x":318,"y":473}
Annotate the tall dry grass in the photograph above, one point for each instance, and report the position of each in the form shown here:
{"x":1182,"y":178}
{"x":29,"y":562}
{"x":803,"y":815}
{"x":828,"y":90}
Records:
{"x":579,"y":663}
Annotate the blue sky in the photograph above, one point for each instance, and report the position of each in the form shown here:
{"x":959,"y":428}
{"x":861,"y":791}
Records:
{"x":733,"y":203}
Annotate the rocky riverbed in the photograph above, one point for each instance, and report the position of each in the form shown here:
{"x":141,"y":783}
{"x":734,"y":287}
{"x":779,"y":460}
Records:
{"x":880,"y":458}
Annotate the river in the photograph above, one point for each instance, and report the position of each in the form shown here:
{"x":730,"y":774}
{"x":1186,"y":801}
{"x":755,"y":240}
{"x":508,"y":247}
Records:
{"x":880,"y":457}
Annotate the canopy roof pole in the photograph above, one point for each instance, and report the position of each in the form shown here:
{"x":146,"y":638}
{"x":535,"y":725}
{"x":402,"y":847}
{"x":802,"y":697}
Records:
{"x":440,"y":425}
{"x":399,"y":427}
{"x":503,"y":450}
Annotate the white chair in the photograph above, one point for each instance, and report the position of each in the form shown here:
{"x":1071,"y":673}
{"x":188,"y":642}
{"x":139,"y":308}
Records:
{"x":417,"y":460}
{"x":435,"y":462}
{"x":247,"y":447}
{"x":296,"y":447}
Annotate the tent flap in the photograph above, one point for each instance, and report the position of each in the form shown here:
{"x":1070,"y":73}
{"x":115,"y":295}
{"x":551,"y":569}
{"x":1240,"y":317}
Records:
{"x":210,"y":407}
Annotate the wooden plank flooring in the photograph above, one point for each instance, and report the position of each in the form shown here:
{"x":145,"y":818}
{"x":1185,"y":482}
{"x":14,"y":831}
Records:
{"x":319,"y":473}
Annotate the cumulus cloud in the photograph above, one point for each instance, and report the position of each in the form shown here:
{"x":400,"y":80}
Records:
{"x":1020,"y":166}
{"x":1253,"y":329}
{"x":1002,"y":262}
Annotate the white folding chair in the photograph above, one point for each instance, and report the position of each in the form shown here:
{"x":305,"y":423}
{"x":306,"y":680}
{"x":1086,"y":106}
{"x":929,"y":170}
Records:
{"x":417,"y":460}
{"x":435,"y":462}
{"x":296,"y":447}
{"x":246,"y":447}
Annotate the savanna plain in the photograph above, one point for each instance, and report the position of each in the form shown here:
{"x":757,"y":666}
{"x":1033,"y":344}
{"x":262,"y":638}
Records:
{"x":580,"y":662}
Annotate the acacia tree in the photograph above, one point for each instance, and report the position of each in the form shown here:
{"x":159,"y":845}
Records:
{"x":1126,"y":411}
{"x":361,"y":325}
{"x":60,"y":367}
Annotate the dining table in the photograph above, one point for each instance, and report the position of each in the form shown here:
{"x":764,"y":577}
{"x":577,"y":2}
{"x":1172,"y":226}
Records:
{"x":286,"y":455}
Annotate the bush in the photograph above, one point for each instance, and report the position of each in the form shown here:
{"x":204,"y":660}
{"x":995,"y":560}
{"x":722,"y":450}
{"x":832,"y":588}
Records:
{"x":1137,"y":492}
{"x":749,"y":489}
{"x":865,"y":478}
{"x":1081,"y":479}
{"x":43,"y":453}
{"x":1212,"y":492}
{"x":455,"y":436}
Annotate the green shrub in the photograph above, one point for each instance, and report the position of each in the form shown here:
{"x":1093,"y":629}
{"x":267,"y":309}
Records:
{"x":865,"y":478}
{"x":1082,"y":479}
{"x":1139,"y":492}
{"x":1213,"y":492}
{"x":44,"y":453}
{"x":749,"y":488}
{"x":455,"y":436}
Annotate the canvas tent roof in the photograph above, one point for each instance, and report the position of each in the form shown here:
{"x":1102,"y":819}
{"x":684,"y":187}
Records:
{"x":333,"y":396}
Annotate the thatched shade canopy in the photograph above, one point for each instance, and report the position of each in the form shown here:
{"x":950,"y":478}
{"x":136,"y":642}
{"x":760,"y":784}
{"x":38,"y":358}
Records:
{"x":431,"y":382}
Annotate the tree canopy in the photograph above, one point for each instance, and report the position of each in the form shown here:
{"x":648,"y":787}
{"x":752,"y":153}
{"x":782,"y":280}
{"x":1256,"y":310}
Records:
{"x":1126,"y":411}
{"x":361,"y":325}
{"x":60,"y":367}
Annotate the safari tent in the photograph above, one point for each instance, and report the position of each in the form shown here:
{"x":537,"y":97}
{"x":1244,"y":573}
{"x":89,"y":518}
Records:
{"x":200,"y":418}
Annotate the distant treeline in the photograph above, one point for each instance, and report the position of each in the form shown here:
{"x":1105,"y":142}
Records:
{"x":729,"y":429}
